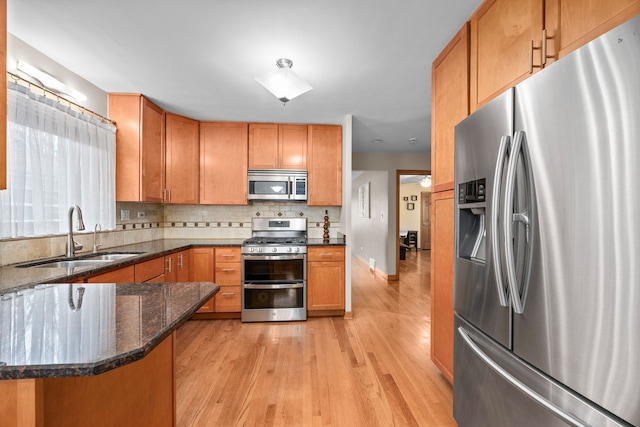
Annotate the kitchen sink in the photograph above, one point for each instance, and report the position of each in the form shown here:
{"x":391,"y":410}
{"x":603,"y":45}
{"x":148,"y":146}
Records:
{"x":72,"y":264}
{"x":83,"y":261}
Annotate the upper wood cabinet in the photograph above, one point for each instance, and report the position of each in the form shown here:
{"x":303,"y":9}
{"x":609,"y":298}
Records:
{"x":324,"y":165}
{"x":506,"y":37}
{"x":572,"y":23}
{"x":139,"y":148}
{"x":3,"y":95}
{"x":182,"y":159}
{"x":223,"y":163}
{"x":449,"y":105}
{"x":277,"y":146}
{"x":510,"y":40}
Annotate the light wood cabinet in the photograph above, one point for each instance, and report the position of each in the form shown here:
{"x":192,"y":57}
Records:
{"x":442,"y":221}
{"x":3,"y":95}
{"x":228,"y":275}
{"x":202,"y":270}
{"x":148,"y":271}
{"x":223,"y":163}
{"x":277,"y":146}
{"x":449,"y":105}
{"x":121,"y":275}
{"x":182,"y":142}
{"x":177,"y":267}
{"x":139,"y":148}
{"x":572,"y":23}
{"x":324,"y":165}
{"x":506,"y":37}
{"x":325,"y":279}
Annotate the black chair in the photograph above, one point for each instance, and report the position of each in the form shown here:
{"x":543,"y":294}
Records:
{"x":412,"y":240}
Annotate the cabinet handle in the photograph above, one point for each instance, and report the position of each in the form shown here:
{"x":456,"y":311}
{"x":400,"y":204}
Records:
{"x":531,"y":49}
{"x":228,"y":255}
{"x":168,"y":261}
{"x":326,"y":254}
{"x":180,"y":261}
{"x":544,"y":47}
{"x":228,"y":269}
{"x":227,"y":294}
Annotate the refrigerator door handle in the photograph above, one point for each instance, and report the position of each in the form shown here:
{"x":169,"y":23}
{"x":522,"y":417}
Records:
{"x":495,"y":209}
{"x":518,"y":298}
{"x":568,"y":418}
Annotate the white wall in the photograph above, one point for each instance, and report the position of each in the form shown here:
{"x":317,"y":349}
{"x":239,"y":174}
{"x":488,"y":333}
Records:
{"x":370,"y":235}
{"x":390,"y":163}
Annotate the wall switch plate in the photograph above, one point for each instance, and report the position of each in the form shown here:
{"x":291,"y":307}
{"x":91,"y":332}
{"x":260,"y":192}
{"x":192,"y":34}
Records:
{"x":125,"y":215}
{"x":140,"y":214}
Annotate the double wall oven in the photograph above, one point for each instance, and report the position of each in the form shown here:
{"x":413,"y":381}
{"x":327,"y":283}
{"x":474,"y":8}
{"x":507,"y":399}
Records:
{"x":274,"y":270}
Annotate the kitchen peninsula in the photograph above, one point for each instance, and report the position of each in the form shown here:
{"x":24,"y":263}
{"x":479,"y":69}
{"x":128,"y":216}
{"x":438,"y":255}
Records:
{"x":93,"y":354}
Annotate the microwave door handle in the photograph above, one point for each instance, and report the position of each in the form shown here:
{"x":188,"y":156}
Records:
{"x":290,"y":192}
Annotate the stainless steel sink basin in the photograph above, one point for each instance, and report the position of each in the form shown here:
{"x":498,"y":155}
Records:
{"x":84,"y":261}
{"x":110,"y":257}
{"x":72,"y":264}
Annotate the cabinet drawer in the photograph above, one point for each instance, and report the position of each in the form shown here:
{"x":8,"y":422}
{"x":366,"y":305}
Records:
{"x":325,"y":253}
{"x":228,"y":273}
{"x":121,"y":275}
{"x":149,"y":269}
{"x":228,"y":254}
{"x":228,"y":299}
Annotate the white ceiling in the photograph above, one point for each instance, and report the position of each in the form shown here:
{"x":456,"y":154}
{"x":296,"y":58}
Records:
{"x":368,"y":58}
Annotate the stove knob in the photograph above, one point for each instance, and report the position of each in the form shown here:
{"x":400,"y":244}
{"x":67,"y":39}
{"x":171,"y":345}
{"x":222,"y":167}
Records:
{"x":259,"y":249}
{"x":274,"y":250}
{"x":289,"y":249}
{"x":297,"y":249}
{"x":251,"y":249}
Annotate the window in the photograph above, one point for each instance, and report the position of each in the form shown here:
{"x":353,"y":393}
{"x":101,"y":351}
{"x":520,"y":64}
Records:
{"x":56,"y":157}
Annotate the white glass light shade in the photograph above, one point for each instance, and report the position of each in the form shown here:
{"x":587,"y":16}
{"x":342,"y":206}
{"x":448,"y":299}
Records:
{"x":284,"y":84}
{"x":426,"y":181}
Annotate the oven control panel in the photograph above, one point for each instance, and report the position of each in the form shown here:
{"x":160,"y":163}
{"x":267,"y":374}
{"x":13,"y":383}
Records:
{"x":266,"y":250}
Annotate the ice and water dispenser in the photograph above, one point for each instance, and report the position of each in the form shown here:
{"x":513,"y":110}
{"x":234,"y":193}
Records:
{"x":471,"y":220}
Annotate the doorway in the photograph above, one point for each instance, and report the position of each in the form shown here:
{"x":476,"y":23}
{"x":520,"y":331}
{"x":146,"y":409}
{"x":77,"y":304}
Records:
{"x":414,"y":208}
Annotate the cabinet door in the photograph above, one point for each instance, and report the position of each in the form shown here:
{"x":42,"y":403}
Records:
{"x":501,"y":52}
{"x":572,"y":23}
{"x":325,"y":278}
{"x":147,"y":270}
{"x":324,"y":164}
{"x":442,"y":282}
{"x":182,"y":159}
{"x":449,"y":105}
{"x":223,"y":163}
{"x":263,"y":146}
{"x":139,"y":148}
{"x":202,"y":264}
{"x":292,"y":146}
{"x":121,"y":275}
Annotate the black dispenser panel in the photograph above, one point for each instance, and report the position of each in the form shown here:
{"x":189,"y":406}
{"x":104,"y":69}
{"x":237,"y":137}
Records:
{"x":472,"y":191}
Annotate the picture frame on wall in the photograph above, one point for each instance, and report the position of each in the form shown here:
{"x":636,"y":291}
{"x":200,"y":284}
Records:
{"x":414,"y":198}
{"x":363,"y":200}
{"x":405,"y":198}
{"x":411,"y":206}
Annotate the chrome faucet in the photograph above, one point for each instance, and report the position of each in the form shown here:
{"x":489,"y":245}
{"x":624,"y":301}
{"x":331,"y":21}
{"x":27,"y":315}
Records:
{"x":96,"y":245}
{"x":72,"y":246}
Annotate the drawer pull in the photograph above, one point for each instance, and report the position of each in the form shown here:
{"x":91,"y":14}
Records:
{"x":227,"y":294}
{"x":326,"y":254}
{"x":228,"y":255}
{"x":228,"y":270}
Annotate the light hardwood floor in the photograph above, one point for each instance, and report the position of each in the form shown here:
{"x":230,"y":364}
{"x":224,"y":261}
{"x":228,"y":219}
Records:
{"x":372,"y":370}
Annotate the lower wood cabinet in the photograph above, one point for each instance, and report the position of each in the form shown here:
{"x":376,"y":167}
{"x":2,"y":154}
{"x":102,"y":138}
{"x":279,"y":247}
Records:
{"x":121,"y":275}
{"x":442,"y":226}
{"x":202,"y":263}
{"x":149,"y":271}
{"x":325,"y":279}
{"x":228,"y":275}
{"x":177,"y":267}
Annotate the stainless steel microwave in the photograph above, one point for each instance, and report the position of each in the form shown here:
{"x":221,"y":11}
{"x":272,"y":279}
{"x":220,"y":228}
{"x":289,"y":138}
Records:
{"x":276,"y":184}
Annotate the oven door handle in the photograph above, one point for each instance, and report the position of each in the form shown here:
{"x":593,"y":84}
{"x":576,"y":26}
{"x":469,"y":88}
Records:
{"x":278,"y":286}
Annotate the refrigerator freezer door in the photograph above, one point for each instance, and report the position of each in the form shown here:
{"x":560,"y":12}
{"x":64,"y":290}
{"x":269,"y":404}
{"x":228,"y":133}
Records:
{"x":494,"y":388}
{"x":477,"y":147}
{"x":581,"y":323}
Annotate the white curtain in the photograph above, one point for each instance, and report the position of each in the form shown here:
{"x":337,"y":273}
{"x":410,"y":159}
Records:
{"x":56,"y":157}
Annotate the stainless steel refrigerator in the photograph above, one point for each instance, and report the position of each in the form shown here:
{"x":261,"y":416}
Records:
{"x":547,"y":246}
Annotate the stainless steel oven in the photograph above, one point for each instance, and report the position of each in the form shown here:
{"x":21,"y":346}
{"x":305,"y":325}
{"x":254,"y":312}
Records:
{"x":274,"y":271}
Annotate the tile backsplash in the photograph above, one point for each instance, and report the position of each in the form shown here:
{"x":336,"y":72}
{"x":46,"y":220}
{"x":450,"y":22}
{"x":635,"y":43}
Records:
{"x":152,"y":221}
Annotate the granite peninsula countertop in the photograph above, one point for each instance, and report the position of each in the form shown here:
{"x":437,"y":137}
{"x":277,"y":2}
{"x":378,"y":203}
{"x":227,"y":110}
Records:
{"x":64,"y":330}
{"x":12,"y":277}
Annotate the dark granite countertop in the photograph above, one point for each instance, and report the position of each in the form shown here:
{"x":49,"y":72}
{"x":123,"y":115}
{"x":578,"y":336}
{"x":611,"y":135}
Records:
{"x":326,"y":242}
{"x":14,"y":278}
{"x":64,"y":330}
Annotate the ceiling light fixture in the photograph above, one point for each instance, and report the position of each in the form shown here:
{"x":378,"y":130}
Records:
{"x":426,"y":181}
{"x":412,"y":140}
{"x":284,"y":83}
{"x":50,"y":82}
{"x":377,"y":141}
